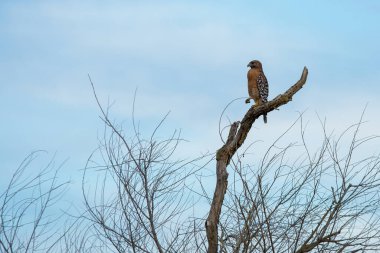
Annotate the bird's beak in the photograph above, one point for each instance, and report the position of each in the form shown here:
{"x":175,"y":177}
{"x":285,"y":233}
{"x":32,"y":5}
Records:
{"x":249,"y":65}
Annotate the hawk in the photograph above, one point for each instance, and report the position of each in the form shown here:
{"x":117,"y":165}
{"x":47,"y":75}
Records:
{"x":257,"y":84}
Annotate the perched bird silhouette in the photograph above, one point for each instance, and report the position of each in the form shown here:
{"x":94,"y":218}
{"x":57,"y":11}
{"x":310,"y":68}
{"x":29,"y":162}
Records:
{"x":257,"y":84}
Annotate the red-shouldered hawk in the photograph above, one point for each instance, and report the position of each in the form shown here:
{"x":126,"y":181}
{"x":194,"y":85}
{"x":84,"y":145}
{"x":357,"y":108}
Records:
{"x":257,"y":84}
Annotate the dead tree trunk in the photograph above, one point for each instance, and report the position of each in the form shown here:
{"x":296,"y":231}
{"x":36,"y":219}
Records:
{"x":236,"y":137}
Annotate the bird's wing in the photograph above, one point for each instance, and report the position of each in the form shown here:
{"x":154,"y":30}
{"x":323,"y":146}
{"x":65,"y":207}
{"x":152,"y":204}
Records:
{"x":262,"y":85}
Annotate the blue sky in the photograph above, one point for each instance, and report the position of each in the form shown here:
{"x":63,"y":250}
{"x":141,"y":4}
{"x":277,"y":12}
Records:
{"x":187,"y":57}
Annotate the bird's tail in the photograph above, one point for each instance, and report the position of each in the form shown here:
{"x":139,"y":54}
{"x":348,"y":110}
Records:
{"x":265,"y":118}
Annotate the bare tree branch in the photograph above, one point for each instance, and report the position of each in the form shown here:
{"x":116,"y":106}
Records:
{"x":236,"y":138}
{"x":25,"y":222}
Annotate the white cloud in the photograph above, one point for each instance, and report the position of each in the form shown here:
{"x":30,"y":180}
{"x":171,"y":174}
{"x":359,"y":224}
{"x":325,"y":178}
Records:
{"x":203,"y":43}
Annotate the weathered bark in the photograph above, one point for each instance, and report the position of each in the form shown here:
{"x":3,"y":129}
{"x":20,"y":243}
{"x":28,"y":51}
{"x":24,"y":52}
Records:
{"x":237,"y":135}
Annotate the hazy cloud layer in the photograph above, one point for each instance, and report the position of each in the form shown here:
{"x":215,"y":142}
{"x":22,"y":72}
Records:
{"x":185,"y":57}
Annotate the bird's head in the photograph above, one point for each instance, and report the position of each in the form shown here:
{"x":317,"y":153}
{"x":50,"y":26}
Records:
{"x":255,"y":64}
